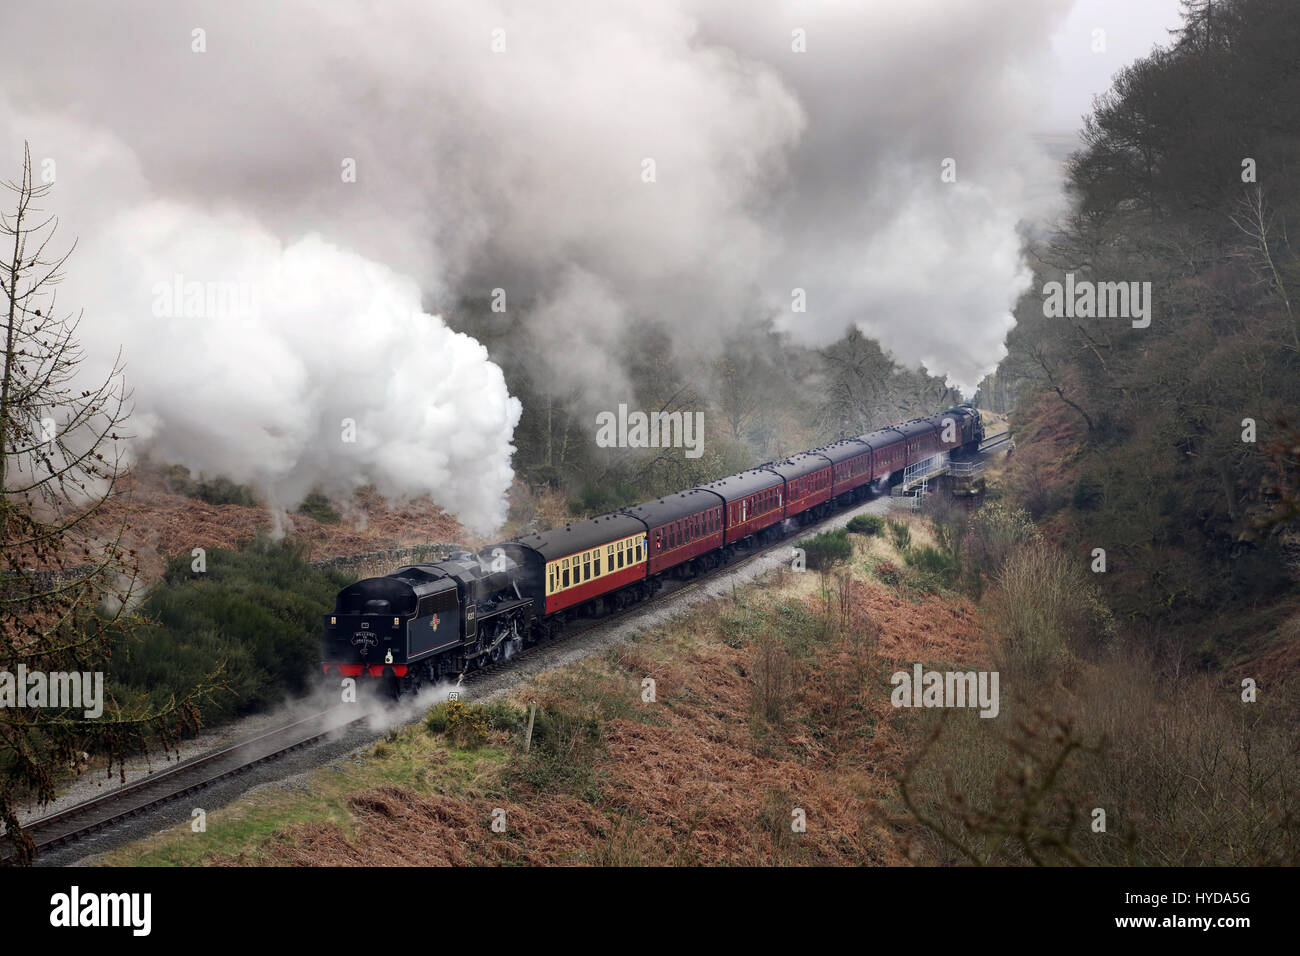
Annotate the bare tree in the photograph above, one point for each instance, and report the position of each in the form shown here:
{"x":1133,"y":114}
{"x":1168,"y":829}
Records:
{"x":66,"y":575}
{"x":1254,"y":220}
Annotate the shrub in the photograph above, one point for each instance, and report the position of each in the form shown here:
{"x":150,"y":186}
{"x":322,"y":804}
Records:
{"x":935,"y":566}
{"x":1044,"y":607}
{"x":223,"y":491}
{"x":215,"y":491}
{"x":901,"y":532}
{"x":1194,"y":779}
{"x":826,"y":549}
{"x":255,"y":612}
{"x":869,"y":525}
{"x":317,"y":506}
{"x":772,"y":671}
{"x":466,"y":726}
{"x":564,"y":751}
{"x":1088,"y":494}
{"x":995,"y":532}
{"x":889,"y":573}
{"x":502,"y":715}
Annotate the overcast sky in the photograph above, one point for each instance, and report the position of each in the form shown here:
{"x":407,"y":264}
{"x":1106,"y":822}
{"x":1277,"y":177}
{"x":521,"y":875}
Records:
{"x":1131,"y":28}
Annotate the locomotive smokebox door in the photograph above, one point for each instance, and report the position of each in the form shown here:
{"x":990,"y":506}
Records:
{"x":471,"y":620}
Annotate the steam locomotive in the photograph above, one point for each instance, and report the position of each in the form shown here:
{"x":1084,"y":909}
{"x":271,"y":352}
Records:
{"x":428,"y":622}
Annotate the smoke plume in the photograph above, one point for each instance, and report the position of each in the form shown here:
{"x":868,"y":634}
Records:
{"x":356,"y":167}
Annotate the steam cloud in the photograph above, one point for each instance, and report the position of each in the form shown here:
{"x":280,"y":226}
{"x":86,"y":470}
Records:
{"x":519,"y":170}
{"x":286,"y":366}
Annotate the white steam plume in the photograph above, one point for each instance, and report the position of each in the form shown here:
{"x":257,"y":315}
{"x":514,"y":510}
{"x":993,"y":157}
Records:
{"x":501,"y":145}
{"x":284,"y":366}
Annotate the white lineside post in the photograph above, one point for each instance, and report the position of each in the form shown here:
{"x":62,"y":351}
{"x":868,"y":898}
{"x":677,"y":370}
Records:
{"x":528,"y":737}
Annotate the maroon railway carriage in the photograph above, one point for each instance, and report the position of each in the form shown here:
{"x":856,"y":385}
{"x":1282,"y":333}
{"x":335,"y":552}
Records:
{"x":888,"y":452}
{"x":682,"y":530}
{"x":755,"y":500}
{"x":922,"y":438}
{"x":587,"y":559}
{"x":807,"y":483}
{"x":850,"y":465}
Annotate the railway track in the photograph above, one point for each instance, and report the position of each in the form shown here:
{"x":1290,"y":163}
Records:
{"x":156,"y":789}
{"x":995,"y":442}
{"x":199,"y":772}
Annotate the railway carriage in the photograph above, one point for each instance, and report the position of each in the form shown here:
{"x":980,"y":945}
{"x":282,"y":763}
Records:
{"x":588,"y":559}
{"x":921,"y":438}
{"x":807,"y":484}
{"x":755,"y":501}
{"x":850,"y":467}
{"x":888,"y":453}
{"x":682,"y":531}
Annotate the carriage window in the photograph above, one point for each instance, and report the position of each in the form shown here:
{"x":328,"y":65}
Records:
{"x":564,"y":577}
{"x":659,"y":540}
{"x":620,"y":555}
{"x":640,"y":544}
{"x":586,"y":567}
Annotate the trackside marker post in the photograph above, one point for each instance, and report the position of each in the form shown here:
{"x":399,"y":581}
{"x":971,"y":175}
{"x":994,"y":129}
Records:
{"x":528,"y":737}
